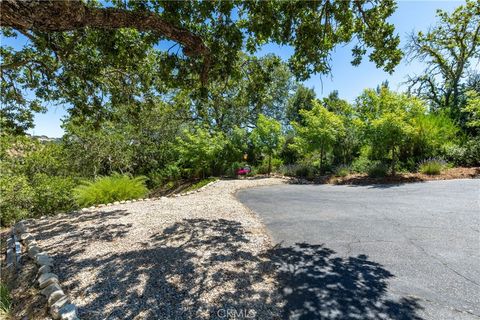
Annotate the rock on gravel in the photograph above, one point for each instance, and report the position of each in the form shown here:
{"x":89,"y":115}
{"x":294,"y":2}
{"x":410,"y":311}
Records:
{"x":198,"y":256}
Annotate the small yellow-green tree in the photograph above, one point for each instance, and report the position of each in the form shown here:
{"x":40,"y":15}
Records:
{"x":318,"y":131}
{"x":267,"y":138}
{"x":199,"y":151}
{"x":389,"y":121}
{"x":472,"y":109}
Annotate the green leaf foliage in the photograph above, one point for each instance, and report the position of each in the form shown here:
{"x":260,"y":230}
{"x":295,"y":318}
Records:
{"x":16,"y":198}
{"x":52,"y":194}
{"x":451,"y":50}
{"x":472,"y":110}
{"x":394,"y":122}
{"x":108,"y":189}
{"x":89,"y":68}
{"x":318,"y":132}
{"x":267,"y":138}
{"x":35,"y":179}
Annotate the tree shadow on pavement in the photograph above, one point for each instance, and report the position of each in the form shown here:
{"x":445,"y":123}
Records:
{"x":210,"y":269}
{"x":316,"y":284}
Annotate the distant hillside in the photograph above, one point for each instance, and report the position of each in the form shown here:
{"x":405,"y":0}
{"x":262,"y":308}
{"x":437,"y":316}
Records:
{"x":44,"y":138}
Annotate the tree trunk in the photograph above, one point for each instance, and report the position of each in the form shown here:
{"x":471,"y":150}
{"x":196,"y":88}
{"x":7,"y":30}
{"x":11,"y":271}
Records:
{"x":269,"y":165}
{"x":393,"y":160}
{"x":321,"y":159}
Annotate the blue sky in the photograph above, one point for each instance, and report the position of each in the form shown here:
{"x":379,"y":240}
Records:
{"x":348,"y":80}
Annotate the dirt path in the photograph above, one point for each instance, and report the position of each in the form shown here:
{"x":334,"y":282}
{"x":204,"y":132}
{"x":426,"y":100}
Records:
{"x":191,"y":257}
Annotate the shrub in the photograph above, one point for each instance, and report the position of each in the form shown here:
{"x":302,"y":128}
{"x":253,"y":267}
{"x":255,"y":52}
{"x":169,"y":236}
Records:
{"x":472,"y":152}
{"x":275,"y":165}
{"x":233,"y":168}
{"x":52,"y":194}
{"x":43,"y":195}
{"x":361,"y":164}
{"x":48,"y":158}
{"x":377,"y":169}
{"x":467,"y":154}
{"x":15,"y":198}
{"x":170,"y":173}
{"x":288,"y":170}
{"x":342,"y":171}
{"x":432,"y":166}
{"x":111,"y":188}
{"x":253,"y":172}
{"x":456,"y":154}
{"x":306,"y":171}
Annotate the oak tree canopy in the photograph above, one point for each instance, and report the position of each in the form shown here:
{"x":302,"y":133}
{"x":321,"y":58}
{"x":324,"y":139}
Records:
{"x":91,"y":53}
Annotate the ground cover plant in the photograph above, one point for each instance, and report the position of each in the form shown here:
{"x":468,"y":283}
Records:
{"x":432,"y":166}
{"x":5,"y":300}
{"x":109,"y":189}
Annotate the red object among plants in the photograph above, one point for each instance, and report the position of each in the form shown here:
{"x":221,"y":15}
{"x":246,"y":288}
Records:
{"x":243,"y":171}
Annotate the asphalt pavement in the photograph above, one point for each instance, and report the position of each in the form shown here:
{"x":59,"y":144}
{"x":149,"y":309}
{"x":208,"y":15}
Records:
{"x":408,"y":251}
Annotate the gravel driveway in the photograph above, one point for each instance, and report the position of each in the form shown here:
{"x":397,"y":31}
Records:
{"x":199,"y":256}
{"x":408,"y":251}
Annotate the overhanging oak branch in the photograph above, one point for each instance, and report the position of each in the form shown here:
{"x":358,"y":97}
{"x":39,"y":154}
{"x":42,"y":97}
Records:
{"x":52,"y":16}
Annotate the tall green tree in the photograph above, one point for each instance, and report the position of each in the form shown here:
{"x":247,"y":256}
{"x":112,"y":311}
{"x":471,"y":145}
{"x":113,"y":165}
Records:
{"x":267,"y":138}
{"x":134,"y":138}
{"x":302,"y":99}
{"x":449,"y":49}
{"x":256,"y":86}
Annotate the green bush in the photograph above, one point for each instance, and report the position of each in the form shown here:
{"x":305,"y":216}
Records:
{"x":253,"y":172}
{"x":342,"y":171}
{"x":472,"y":152}
{"x":111,"y":188}
{"x":263,"y":167}
{"x":42,"y":195}
{"x":289,"y":170}
{"x":467,"y":154}
{"x":16,"y":196}
{"x":377,"y":169}
{"x":306,"y":171}
{"x":52,"y":194}
{"x":361,"y":164}
{"x":48,"y":158}
{"x":170,"y":173}
{"x":432,"y":166}
{"x":456,"y":154}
